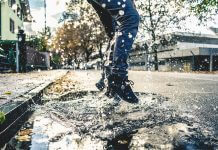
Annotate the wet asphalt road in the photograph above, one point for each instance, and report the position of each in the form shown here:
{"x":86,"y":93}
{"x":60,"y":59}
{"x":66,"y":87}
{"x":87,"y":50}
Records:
{"x":196,"y":93}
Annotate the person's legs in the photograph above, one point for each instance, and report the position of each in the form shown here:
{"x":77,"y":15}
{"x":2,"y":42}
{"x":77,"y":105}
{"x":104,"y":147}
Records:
{"x":127,"y":19}
{"x":124,"y":15}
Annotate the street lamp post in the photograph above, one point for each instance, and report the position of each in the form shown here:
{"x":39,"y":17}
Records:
{"x":21,"y":52}
{"x":17,"y":58}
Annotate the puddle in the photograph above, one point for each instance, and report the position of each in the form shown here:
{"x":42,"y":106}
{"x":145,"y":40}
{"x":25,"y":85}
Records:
{"x":89,"y":120}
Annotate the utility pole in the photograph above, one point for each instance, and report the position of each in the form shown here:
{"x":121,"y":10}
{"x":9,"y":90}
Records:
{"x":45,"y":9}
{"x":193,"y":61}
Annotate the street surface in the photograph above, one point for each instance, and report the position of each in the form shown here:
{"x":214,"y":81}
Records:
{"x":176,"y":111}
{"x":187,"y":91}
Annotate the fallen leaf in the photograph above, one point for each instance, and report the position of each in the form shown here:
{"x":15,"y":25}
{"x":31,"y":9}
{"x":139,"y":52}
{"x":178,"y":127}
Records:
{"x":24,"y":138}
{"x":8,"y":93}
{"x":25,"y":132}
{"x":123,"y":142}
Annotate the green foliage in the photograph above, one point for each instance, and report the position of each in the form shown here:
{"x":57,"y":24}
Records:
{"x":56,"y":58}
{"x":206,"y":6}
{"x":203,"y":8}
{"x":2,"y":117}
{"x":40,"y":42}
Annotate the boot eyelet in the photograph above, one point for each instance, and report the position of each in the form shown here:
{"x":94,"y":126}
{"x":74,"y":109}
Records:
{"x":105,"y":81}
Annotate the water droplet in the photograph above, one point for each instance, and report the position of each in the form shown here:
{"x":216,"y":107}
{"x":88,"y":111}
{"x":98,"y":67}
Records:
{"x":119,"y":33}
{"x":121,"y":12}
{"x":103,"y":5}
{"x":130,"y":35}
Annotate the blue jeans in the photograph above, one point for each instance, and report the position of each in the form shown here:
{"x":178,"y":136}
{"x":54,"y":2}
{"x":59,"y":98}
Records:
{"x":127,"y":21}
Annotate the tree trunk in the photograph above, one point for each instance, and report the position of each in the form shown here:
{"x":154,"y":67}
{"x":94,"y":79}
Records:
{"x":78,"y":65}
{"x":153,"y":36}
{"x":156,"y":66}
{"x":87,"y":56}
{"x":88,"y":52}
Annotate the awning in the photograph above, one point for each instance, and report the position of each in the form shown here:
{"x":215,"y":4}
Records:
{"x":187,"y":53}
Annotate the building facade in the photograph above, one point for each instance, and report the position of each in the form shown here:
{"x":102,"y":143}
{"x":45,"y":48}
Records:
{"x":181,"y":52}
{"x":13,"y":13}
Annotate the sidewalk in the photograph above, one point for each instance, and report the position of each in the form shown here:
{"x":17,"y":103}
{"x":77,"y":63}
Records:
{"x":13,"y":86}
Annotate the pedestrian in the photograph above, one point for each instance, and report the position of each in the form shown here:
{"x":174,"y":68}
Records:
{"x":120,"y":19}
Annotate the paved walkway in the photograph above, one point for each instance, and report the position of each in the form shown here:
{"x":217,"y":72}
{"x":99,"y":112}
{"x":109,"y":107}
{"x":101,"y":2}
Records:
{"x":13,"y":85}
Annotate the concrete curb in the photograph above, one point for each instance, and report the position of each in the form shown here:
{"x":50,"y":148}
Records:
{"x":16,"y":113}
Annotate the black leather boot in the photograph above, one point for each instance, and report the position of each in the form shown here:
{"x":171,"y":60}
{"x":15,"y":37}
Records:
{"x":122,"y":87}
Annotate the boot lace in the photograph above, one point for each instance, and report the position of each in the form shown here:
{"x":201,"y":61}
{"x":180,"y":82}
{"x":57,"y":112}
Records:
{"x":127,"y":83}
{"x":130,"y":82}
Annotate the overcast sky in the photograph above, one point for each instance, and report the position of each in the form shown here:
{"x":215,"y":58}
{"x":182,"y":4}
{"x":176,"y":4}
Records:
{"x":54,"y":10}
